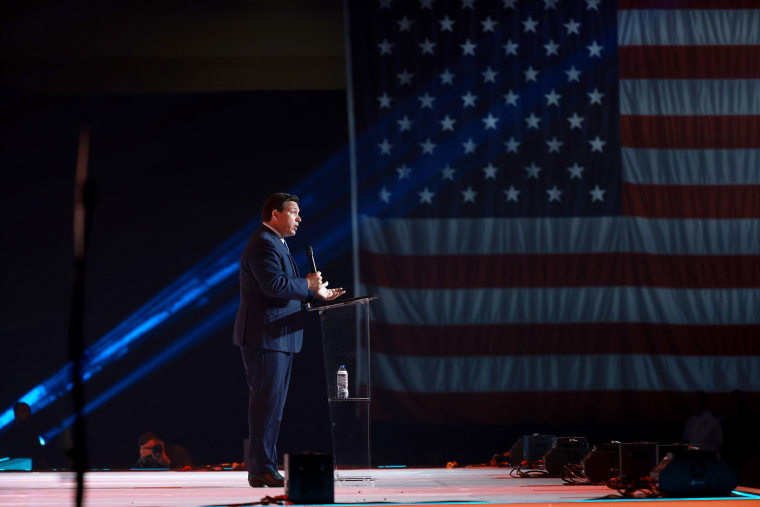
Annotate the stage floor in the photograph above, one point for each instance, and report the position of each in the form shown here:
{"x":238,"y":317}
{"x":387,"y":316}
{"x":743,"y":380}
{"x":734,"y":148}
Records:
{"x":491,"y":486}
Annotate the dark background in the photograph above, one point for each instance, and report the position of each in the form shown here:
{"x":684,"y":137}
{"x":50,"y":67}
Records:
{"x":197,"y":112}
{"x":174,"y":175}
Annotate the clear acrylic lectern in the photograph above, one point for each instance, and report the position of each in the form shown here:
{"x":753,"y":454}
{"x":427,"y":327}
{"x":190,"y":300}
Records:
{"x":345,"y":341}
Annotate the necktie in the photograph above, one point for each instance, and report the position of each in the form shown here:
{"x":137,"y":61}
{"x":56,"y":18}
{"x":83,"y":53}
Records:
{"x":292,"y":261}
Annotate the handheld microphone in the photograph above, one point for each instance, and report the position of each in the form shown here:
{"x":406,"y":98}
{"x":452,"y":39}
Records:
{"x":310,"y":258}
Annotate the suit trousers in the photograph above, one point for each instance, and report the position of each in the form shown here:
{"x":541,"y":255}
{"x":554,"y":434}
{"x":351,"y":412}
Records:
{"x":267,"y":373}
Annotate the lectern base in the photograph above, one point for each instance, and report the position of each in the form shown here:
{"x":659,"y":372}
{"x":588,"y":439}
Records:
{"x":350,"y":420}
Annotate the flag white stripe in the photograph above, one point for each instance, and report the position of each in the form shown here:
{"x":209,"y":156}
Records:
{"x":688,"y":27}
{"x":587,"y":372}
{"x":556,"y":305}
{"x":493,"y":236}
{"x":689,"y":96}
{"x":691,"y":167}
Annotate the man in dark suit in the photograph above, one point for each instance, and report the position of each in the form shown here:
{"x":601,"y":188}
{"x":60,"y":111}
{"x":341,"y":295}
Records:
{"x":269,"y":328}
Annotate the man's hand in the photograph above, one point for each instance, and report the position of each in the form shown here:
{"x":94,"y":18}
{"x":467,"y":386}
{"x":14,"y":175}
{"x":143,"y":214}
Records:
{"x":326,"y":294}
{"x":314,"y":280}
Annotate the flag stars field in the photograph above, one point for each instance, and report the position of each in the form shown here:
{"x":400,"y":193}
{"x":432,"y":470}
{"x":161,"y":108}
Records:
{"x":443,"y":85}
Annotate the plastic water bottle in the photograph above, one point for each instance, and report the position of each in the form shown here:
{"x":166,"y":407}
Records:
{"x":342,"y":382}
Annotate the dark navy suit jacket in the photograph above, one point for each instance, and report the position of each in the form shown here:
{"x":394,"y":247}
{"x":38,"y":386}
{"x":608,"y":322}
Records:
{"x":272,"y":296}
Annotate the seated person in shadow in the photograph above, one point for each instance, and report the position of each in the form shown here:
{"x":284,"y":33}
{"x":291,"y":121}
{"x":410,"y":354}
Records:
{"x":152,"y":452}
{"x":703,"y":428}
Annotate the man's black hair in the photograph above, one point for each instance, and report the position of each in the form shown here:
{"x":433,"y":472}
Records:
{"x":276,"y":202}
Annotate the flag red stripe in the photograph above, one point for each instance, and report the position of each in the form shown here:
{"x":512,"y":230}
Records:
{"x":697,"y":132}
{"x":569,"y":270}
{"x":544,"y":407}
{"x":689,"y":62}
{"x":565,"y":338}
{"x":692,"y":201}
{"x":687,"y":4}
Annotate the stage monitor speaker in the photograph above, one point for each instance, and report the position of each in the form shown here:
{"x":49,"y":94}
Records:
{"x":602,"y":463}
{"x":565,"y":451}
{"x":309,"y":478}
{"x":637,"y":459}
{"x":535,"y":446}
{"x":687,"y":477}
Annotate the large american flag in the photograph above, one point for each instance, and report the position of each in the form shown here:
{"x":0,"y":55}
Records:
{"x":558,"y":206}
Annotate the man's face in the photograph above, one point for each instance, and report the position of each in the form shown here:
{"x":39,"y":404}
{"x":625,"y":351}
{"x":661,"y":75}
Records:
{"x":286,"y":221}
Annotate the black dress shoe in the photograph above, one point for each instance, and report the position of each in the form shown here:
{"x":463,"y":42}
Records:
{"x":269,"y":480}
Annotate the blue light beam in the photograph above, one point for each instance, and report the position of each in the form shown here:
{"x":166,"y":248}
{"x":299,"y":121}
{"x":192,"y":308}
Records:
{"x":210,"y":325}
